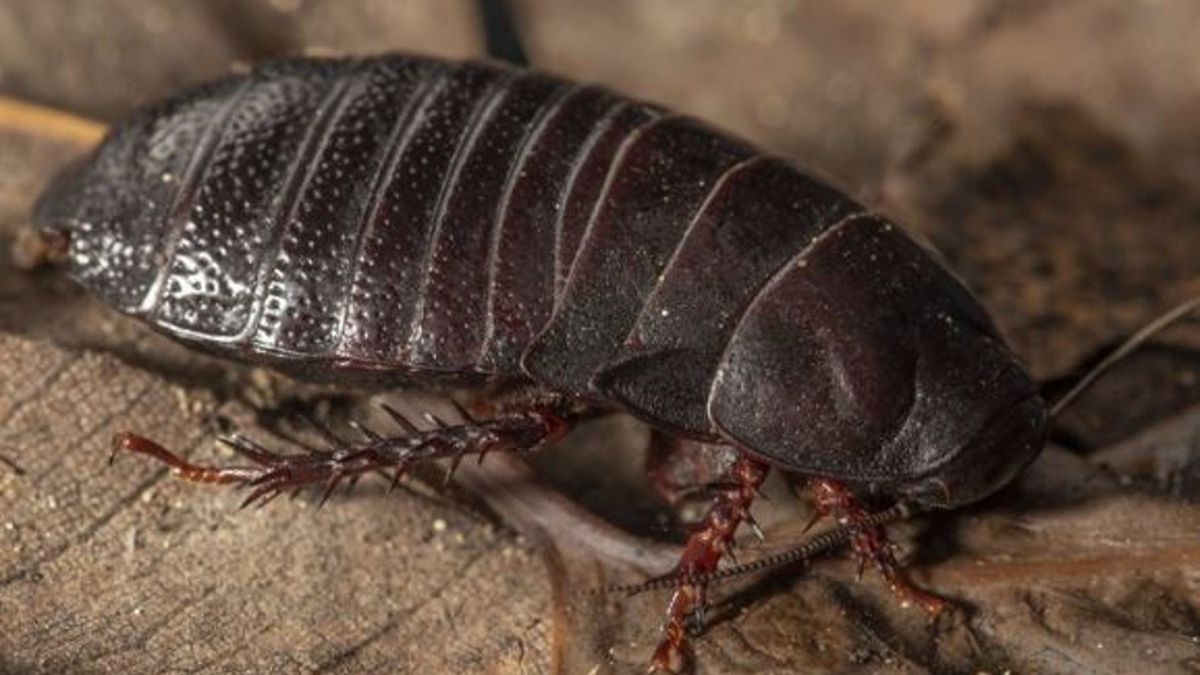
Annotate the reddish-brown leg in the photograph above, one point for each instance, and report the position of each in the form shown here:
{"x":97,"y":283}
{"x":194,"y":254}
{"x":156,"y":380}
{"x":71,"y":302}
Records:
{"x":703,"y":551}
{"x":272,"y":473}
{"x":870,"y":542}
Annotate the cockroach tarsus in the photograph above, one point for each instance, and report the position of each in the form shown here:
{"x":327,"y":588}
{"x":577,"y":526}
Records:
{"x":411,"y":220}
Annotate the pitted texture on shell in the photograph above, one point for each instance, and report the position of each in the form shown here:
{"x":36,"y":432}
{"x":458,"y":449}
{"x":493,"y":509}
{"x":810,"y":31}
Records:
{"x":305,"y":297}
{"x":224,"y":231}
{"x":115,"y":201}
{"x":531,"y":239}
{"x":450,"y":330}
{"x":370,"y":214}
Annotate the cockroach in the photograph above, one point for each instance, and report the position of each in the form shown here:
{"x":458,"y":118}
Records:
{"x":420,"y":221}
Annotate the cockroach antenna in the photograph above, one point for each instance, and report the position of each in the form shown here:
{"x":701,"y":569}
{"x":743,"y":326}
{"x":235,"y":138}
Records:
{"x":1156,"y":326}
{"x":801,"y":553}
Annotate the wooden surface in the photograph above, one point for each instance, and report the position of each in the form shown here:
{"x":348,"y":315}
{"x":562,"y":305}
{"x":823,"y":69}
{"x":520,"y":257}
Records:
{"x":1048,"y":148}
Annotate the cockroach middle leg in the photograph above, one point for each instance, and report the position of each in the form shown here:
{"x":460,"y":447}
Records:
{"x":870,"y":542}
{"x":519,"y":428}
{"x":711,"y":539}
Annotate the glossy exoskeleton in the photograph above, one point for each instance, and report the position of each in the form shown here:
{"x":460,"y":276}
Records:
{"x":426,"y":220}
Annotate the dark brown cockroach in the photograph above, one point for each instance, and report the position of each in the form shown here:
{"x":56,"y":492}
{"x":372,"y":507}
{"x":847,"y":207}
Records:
{"x":414,"y":220}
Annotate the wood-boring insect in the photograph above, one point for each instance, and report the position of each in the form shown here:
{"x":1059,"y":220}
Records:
{"x":415,"y":220}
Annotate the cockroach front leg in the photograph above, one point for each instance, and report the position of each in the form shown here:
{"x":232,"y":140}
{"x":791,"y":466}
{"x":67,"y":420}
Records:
{"x":870,"y":542}
{"x":271,"y":473}
{"x":712,"y":538}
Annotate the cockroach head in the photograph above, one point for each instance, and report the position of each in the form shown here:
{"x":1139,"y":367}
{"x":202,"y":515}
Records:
{"x":989,"y":461}
{"x":871,"y":364}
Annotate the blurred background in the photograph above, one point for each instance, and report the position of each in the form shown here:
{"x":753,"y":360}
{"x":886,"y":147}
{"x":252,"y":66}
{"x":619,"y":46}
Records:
{"x":833,"y":84}
{"x":1049,"y":148}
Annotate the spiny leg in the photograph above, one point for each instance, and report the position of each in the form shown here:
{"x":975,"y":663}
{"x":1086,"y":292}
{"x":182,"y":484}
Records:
{"x":520,"y":428}
{"x":870,"y":542}
{"x":702,"y":553}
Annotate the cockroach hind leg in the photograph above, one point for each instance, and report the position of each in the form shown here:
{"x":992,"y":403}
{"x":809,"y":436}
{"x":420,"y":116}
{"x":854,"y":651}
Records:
{"x":272,"y":473}
{"x":871,"y":544}
{"x":913,"y":595}
{"x":130,"y":442}
{"x":880,"y":552}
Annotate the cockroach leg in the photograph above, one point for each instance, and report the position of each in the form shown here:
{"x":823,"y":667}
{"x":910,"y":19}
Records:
{"x":273,"y":473}
{"x":703,"y":551}
{"x":870,"y":542}
{"x":126,"y":441}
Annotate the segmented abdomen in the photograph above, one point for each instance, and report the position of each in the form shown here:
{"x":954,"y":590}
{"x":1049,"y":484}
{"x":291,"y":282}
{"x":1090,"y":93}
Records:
{"x":407,"y":214}
{"x":384,"y":213}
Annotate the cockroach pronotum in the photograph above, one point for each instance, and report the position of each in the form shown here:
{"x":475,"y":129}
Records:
{"x":414,"y":220}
